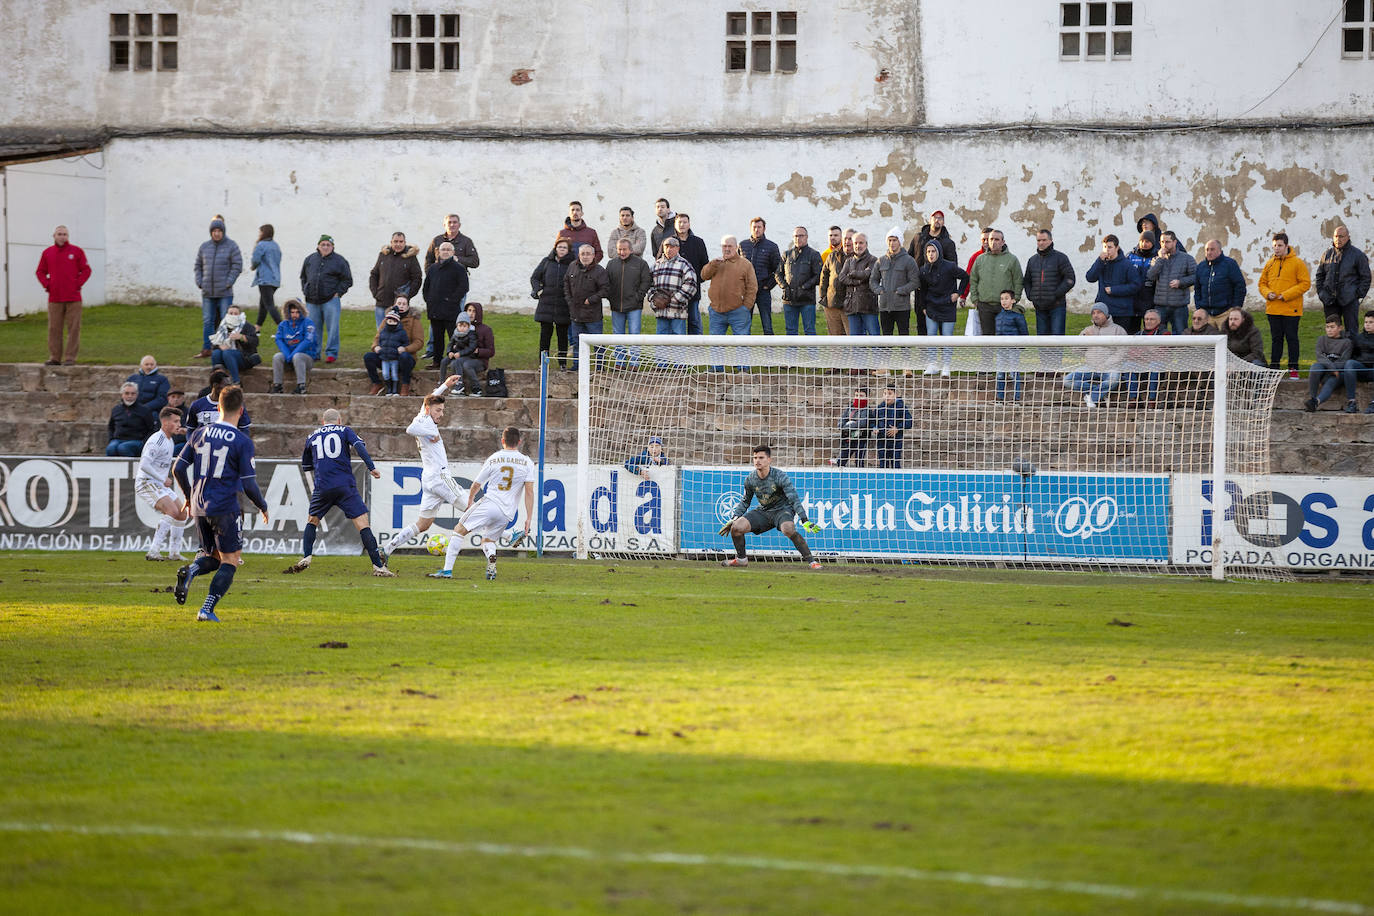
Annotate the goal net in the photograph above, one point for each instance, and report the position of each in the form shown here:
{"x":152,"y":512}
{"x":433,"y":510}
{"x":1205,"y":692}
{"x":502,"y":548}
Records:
{"x":1064,"y":452}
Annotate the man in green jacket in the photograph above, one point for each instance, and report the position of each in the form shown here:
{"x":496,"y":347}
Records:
{"x":995,"y":270}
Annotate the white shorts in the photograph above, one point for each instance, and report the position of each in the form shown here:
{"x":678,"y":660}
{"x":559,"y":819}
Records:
{"x":486,"y":520}
{"x":150,"y":491}
{"x":441,"y":491}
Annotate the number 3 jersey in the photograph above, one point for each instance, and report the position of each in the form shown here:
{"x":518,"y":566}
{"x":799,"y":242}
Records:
{"x":503,"y":478}
{"x":326,"y":454}
{"x":219,"y":459}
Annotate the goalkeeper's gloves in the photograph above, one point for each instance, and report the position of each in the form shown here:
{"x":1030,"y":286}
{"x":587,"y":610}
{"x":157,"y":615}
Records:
{"x":811,"y":528}
{"x":725,"y":529}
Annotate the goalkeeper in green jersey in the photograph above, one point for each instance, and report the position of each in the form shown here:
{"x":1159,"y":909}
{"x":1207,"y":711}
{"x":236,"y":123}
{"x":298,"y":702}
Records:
{"x":779,"y":507}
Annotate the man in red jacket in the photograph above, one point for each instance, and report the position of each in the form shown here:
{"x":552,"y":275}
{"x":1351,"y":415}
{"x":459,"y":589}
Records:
{"x":62,"y":269}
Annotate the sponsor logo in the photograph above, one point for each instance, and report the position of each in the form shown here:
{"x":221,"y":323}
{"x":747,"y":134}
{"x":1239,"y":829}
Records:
{"x":725,"y":505}
{"x":1078,"y":518}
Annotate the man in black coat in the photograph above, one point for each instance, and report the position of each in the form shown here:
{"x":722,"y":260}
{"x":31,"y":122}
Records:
{"x":1343,"y":280}
{"x":130,"y":424}
{"x":1047,"y":279}
{"x":445,"y":289}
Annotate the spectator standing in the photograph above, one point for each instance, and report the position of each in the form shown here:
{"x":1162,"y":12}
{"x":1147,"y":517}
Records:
{"x":830,"y":292}
{"x":692,"y":250}
{"x":940,"y":281}
{"x":546,"y":285}
{"x":578,"y":233}
{"x":396,"y":273}
{"x":1334,"y":351}
{"x":860,"y":302}
{"x":1140,"y":257}
{"x":234,"y":345}
{"x":891,"y":420}
{"x":934,"y":230}
{"x":1011,"y":322}
{"x":672,"y":290}
{"x":734,"y":288}
{"x":1117,"y":280}
{"x":298,"y":343}
{"x":585,"y":286}
{"x":1360,"y":367}
{"x":1283,"y":283}
{"x":895,"y":277}
{"x":1243,"y":337}
{"x":627,"y":230}
{"x":463,"y":249}
{"x":968,"y":268}
{"x":62,"y":271}
{"x":799,"y":275}
{"x":664,"y":219}
{"x":325,"y":278}
{"x":628,"y":279}
{"x":266,"y":264}
{"x":1173,"y":274}
{"x":152,"y":385}
{"x":130,"y":424}
{"x":406,"y":359}
{"x":764,"y":254}
{"x":445,"y":290}
{"x":218,"y":265}
{"x":1048,"y":278}
{"x":994,"y":270}
{"x":392,"y":341}
{"x":1220,"y":284}
{"x":1343,"y":279}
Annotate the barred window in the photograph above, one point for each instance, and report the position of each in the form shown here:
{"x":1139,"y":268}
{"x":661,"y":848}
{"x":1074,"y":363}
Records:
{"x":1096,"y":31}
{"x":425,"y":41}
{"x":143,"y":41}
{"x":761,"y":42}
{"x":1357,"y":32}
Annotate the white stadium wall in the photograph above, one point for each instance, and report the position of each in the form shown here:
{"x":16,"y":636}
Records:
{"x":1235,"y":185}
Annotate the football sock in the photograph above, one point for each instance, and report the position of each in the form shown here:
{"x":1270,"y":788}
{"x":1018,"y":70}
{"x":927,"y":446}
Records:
{"x":224,"y":577}
{"x":370,"y":545}
{"x":308,"y":540}
{"x":461,"y":503}
{"x":489,"y":550}
{"x":201,"y":565}
{"x":739,"y":544}
{"x":800,"y":542}
{"x":174,"y":539}
{"x":164,"y":528}
{"x":455,"y":544}
{"x":408,"y":532}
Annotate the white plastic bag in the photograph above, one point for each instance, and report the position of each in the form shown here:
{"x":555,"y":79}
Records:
{"x":973,"y":326}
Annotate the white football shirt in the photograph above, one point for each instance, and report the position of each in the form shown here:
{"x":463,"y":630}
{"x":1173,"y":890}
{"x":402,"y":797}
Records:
{"x":155,"y":463}
{"x":503,"y":478}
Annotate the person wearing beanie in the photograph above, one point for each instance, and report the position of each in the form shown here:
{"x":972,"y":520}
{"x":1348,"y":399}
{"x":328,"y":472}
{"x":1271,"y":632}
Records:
{"x":1141,"y":257}
{"x":391,"y":340}
{"x":325,"y":278}
{"x":218,"y":264}
{"x":1101,"y":371}
{"x":895,"y":278}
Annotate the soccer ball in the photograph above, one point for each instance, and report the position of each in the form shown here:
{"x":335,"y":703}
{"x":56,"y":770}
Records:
{"x":437,"y":544}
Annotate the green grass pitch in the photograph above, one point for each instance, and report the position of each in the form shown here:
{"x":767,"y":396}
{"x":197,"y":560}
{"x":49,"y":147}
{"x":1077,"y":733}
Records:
{"x":662,"y":738}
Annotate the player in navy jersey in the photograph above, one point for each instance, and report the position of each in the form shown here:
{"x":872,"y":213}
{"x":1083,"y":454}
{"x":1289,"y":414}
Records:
{"x":205,"y":410}
{"x":326,"y":457}
{"x":214,"y":466}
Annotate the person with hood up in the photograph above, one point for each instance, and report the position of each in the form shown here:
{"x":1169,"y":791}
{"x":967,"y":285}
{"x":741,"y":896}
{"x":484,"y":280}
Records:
{"x":940,"y":282}
{"x":1140,"y":257}
{"x":1101,"y":371}
{"x":546,"y":286}
{"x":391,"y":342}
{"x":218,"y":264}
{"x":298,"y":343}
{"x":235,"y":344}
{"x":895,"y":277}
{"x":891,"y":420}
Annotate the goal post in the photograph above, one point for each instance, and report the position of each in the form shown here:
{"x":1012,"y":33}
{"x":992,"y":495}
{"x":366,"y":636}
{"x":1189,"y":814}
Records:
{"x":1073,"y":452}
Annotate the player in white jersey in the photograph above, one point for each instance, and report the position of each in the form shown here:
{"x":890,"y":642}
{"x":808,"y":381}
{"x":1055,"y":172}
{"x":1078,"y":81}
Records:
{"x":502,"y":478}
{"x":437,"y":486}
{"x":153,"y":484}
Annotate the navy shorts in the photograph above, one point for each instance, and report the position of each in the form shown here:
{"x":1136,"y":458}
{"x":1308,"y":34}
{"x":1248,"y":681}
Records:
{"x":761,"y":520}
{"x":223,"y":533}
{"x":346,"y":498}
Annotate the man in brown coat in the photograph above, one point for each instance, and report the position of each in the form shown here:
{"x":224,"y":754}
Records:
{"x":396,"y":273}
{"x":830,"y":291}
{"x":734,"y":286}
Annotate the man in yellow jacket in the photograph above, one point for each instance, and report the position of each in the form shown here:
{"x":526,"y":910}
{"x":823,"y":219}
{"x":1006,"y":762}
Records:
{"x":734,"y":286}
{"x":1283,"y":282}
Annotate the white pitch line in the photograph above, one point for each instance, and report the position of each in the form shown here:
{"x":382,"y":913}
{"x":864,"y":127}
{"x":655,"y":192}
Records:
{"x":756,"y":863}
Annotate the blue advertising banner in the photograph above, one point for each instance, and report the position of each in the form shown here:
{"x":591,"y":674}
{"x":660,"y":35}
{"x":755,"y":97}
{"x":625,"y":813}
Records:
{"x":963,"y":515}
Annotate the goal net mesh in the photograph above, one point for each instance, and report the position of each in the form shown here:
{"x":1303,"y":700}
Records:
{"x":942,"y":450}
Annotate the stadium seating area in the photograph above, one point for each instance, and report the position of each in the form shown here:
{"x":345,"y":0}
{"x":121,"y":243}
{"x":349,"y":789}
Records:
{"x":63,"y":409}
